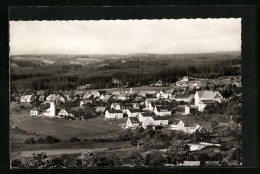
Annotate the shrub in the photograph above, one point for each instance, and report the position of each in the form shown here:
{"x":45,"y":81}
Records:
{"x":29,"y":141}
{"x":22,"y":107}
{"x":17,"y":164}
{"x":51,"y":140}
{"x":74,"y":139}
{"x":40,"y":141}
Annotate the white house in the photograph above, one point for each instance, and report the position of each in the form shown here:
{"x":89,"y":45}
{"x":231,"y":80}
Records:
{"x":27,"y":99}
{"x":51,"y":97}
{"x":63,"y":113}
{"x":35,"y":112}
{"x":148,"y":103}
{"x":160,"y":121}
{"x":42,"y":98}
{"x":51,"y":111}
{"x":162,"y":110}
{"x":177,"y":125}
{"x":106,"y":98}
{"x":191,"y":129}
{"x":115,"y":106}
{"x":162,"y":94}
{"x":159,"y":83}
{"x":100,"y":110}
{"x":60,"y":99}
{"x":96,"y":94}
{"x":136,"y":105}
{"x":132,"y":122}
{"x":114,"y":114}
{"x":102,"y":96}
{"x":203,"y":103}
{"x":134,"y":112}
{"x":146,"y":116}
{"x":84,"y":102}
{"x":182,"y":97}
{"x":202,"y":98}
{"x":126,"y":106}
{"x":86,"y":96}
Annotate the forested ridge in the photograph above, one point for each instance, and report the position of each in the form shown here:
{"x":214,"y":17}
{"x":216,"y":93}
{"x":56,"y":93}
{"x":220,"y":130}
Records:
{"x":30,"y":72}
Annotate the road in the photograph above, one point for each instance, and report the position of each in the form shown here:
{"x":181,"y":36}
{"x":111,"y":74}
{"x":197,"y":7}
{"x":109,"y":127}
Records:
{"x":28,"y":153}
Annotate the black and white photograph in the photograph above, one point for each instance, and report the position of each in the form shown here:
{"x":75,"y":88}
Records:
{"x":125,"y":93}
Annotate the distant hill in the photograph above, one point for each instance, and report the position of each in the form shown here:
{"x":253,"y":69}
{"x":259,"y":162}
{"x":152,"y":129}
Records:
{"x":116,"y":56}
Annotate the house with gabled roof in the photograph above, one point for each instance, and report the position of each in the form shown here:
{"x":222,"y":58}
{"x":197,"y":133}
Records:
{"x":182,"y":97}
{"x":106,"y":98}
{"x":132,"y":122}
{"x":114,"y":114}
{"x":87,"y":96}
{"x":203,"y":98}
{"x":42,"y":98}
{"x":148,"y":103}
{"x":161,"y":94}
{"x":177,"y":124}
{"x":159,"y":83}
{"x":35,"y":112}
{"x":115,"y":106}
{"x":126,"y":106}
{"x":84,"y":102}
{"x":27,"y":98}
{"x":63,"y":113}
{"x":134,"y":112}
{"x":146,"y":116}
{"x":162,"y":110}
{"x":95,"y":94}
{"x":160,"y":121}
{"x":100,"y":110}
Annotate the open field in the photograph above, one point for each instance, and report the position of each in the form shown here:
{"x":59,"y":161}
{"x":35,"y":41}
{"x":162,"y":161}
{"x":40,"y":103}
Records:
{"x":65,"y":129}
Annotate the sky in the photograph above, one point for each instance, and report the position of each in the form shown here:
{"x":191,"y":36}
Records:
{"x":125,"y":36}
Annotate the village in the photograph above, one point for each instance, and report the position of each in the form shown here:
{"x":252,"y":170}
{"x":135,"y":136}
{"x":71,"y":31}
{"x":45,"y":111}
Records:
{"x":159,"y":109}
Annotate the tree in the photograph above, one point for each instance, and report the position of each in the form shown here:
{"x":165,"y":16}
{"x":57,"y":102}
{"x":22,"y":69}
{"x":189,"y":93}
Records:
{"x":87,"y":159}
{"x":177,"y":153}
{"x":236,"y":154}
{"x":203,"y":157}
{"x":154,"y":159}
{"x":17,"y":164}
{"x":41,"y":160}
{"x":134,"y":157}
{"x":105,"y":162}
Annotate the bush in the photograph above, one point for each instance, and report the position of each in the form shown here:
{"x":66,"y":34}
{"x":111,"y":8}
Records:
{"x":17,"y":164}
{"x":74,"y":139}
{"x":40,"y":141}
{"x":29,"y":141}
{"x":22,"y":107}
{"x":51,"y":140}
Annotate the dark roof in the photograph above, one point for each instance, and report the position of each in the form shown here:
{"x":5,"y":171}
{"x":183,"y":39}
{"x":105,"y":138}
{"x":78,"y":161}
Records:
{"x":133,"y":119}
{"x":158,"y":103}
{"x":208,"y":101}
{"x":136,"y":110}
{"x":160,"y":118}
{"x":160,"y":108}
{"x":148,"y":114}
{"x":114,"y":111}
{"x":127,"y":105}
{"x":176,"y":121}
{"x":181,"y":96}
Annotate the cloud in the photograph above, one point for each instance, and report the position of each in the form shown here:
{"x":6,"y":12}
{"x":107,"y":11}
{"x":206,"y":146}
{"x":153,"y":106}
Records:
{"x":125,"y":36}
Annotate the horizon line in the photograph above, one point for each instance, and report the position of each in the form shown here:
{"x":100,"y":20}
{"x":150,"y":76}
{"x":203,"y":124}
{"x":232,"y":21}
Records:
{"x":122,"y":54}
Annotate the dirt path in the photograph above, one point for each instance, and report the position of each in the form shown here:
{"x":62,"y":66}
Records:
{"x":29,"y":153}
